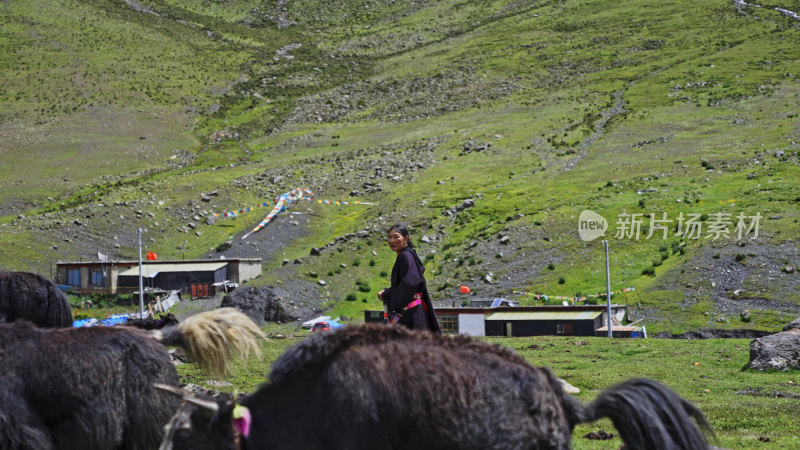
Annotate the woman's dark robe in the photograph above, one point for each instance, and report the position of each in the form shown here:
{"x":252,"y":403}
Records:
{"x":407,"y":280}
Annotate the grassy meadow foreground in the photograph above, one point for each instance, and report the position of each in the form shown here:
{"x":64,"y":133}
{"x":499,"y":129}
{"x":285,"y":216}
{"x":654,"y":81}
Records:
{"x":746,"y":409}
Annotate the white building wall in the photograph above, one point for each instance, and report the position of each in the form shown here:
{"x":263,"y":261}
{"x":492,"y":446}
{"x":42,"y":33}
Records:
{"x":247,"y":270}
{"x":471,"y":324}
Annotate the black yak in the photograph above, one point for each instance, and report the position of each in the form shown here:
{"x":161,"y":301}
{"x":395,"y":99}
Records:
{"x":375,"y":387}
{"x":164,"y":320}
{"x":93,"y":388}
{"x":27,"y":296}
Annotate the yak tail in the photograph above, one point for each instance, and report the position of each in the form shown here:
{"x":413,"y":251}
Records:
{"x":648,"y":415}
{"x":211,"y":337}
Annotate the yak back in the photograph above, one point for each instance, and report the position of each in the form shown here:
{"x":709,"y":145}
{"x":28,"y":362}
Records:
{"x":84,"y":387}
{"x":31,"y":297}
{"x":320,"y":348}
{"x":372,"y":387}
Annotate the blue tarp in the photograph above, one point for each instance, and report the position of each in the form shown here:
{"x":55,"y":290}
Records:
{"x":332,"y":322}
{"x":117,"y":319}
{"x":114,"y":319}
{"x":85,"y":323}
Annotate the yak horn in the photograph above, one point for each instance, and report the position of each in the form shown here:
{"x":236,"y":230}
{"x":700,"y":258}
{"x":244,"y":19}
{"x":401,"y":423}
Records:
{"x":188,"y":397}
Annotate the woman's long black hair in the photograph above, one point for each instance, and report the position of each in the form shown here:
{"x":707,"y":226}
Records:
{"x":403,"y":232}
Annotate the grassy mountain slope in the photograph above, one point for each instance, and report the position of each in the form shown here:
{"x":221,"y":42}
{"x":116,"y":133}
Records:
{"x":120,"y":115}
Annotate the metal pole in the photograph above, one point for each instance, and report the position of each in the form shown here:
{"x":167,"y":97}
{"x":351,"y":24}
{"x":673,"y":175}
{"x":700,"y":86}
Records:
{"x":608,"y":289}
{"x":141,"y":287}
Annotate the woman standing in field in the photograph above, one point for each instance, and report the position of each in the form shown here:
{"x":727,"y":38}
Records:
{"x":407,"y":300}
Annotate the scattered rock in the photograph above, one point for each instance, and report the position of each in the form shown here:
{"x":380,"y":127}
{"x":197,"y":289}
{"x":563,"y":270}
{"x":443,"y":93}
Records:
{"x":760,"y":392}
{"x":262,"y":304}
{"x":315,"y":251}
{"x":745,"y":316}
{"x":322,"y":282}
{"x":568,"y":388}
{"x":793,"y":325}
{"x":780,"y":351}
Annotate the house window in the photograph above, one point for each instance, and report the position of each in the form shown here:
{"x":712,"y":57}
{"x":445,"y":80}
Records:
{"x":564,"y":328}
{"x":74,"y":277}
{"x":96,"y":277}
{"x":449,"y":324}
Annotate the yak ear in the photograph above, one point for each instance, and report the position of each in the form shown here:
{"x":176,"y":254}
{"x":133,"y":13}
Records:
{"x":187,"y":396}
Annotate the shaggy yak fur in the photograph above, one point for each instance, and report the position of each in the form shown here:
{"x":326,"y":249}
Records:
{"x":375,"y":387}
{"x":27,"y":296}
{"x":92,"y":388}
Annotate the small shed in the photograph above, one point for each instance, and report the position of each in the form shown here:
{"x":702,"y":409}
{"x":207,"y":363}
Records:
{"x":543,"y":323}
{"x":104,"y":276}
{"x":571,"y":320}
{"x":196,"y":277}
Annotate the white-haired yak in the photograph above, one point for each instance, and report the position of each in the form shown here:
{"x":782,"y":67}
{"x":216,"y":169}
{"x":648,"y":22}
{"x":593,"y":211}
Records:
{"x":93,"y":388}
{"x":27,"y":296}
{"x":375,"y":387}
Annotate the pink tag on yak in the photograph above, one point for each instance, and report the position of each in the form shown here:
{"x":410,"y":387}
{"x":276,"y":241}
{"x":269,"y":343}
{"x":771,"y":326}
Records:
{"x":241,"y":420}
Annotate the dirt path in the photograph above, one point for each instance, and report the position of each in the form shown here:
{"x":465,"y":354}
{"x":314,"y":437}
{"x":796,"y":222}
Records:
{"x":740,"y":3}
{"x":599,"y":128}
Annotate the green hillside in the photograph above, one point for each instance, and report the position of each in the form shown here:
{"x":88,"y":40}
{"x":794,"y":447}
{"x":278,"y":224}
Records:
{"x":118,"y":115}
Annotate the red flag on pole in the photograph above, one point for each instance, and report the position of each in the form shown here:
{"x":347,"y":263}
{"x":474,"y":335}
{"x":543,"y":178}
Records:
{"x":465,"y":289}
{"x":152,"y":256}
